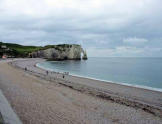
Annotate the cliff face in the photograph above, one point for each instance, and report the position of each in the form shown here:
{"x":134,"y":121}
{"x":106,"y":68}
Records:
{"x":60,"y":52}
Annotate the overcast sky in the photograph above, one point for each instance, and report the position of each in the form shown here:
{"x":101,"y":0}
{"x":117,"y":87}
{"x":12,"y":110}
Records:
{"x":105,"y":28}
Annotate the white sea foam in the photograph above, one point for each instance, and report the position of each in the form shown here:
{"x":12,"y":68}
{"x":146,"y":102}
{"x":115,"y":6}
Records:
{"x":107,"y":81}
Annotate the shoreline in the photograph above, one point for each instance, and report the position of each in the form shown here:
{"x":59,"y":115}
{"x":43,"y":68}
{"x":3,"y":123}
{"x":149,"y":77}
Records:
{"x":147,"y":100}
{"x":120,"y":83}
{"x":40,"y":98}
{"x":106,"y":81}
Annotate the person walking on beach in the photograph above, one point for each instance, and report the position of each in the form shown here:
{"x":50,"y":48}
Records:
{"x":47,"y":72}
{"x":63,"y":76}
{"x":25,"y":69}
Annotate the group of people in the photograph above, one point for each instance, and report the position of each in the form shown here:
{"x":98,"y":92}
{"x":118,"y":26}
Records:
{"x":47,"y":72}
{"x":63,"y":74}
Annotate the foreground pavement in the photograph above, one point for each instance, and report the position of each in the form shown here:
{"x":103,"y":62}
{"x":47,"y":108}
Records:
{"x":8,"y":116}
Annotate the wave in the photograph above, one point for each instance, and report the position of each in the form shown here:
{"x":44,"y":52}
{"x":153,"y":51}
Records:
{"x":107,"y":81}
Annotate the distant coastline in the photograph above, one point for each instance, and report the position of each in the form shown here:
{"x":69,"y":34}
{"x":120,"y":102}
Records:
{"x":58,"y":52}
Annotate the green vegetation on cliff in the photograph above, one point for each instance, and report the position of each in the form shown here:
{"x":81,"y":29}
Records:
{"x":59,"y":47}
{"x":16,"y":50}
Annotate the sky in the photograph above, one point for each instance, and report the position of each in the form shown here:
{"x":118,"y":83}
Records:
{"x":105,"y":28}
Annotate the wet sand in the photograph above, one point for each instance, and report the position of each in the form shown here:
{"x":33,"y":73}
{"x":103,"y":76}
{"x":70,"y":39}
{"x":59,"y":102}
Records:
{"x":72,"y":100}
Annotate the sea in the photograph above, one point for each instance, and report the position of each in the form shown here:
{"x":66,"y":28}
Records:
{"x":138,"y":72}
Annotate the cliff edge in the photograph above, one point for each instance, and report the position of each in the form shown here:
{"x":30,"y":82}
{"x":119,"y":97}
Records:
{"x":60,"y":52}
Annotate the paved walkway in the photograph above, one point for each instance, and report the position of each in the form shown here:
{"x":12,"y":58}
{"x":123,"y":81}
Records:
{"x":8,"y":115}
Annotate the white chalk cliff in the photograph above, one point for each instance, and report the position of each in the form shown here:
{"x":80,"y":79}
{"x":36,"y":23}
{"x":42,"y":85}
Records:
{"x":60,"y":52}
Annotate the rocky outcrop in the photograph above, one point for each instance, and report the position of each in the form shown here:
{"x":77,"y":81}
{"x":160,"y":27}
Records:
{"x":60,"y":52}
{"x":84,"y":55}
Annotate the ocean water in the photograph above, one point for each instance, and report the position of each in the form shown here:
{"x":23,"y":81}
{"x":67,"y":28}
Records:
{"x":144,"y":72}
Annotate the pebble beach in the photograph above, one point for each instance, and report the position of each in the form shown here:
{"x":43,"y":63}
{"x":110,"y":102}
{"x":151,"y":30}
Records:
{"x":38,"y":98}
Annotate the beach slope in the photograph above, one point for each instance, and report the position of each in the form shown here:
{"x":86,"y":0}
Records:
{"x":37,"y":100}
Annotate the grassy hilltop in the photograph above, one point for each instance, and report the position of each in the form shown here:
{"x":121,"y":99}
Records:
{"x":17,"y":50}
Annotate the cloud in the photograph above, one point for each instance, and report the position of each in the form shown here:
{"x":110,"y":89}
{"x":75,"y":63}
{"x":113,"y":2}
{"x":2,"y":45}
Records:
{"x":121,"y":51}
{"x":135,"y":41}
{"x":115,"y":27}
{"x":124,"y":51}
